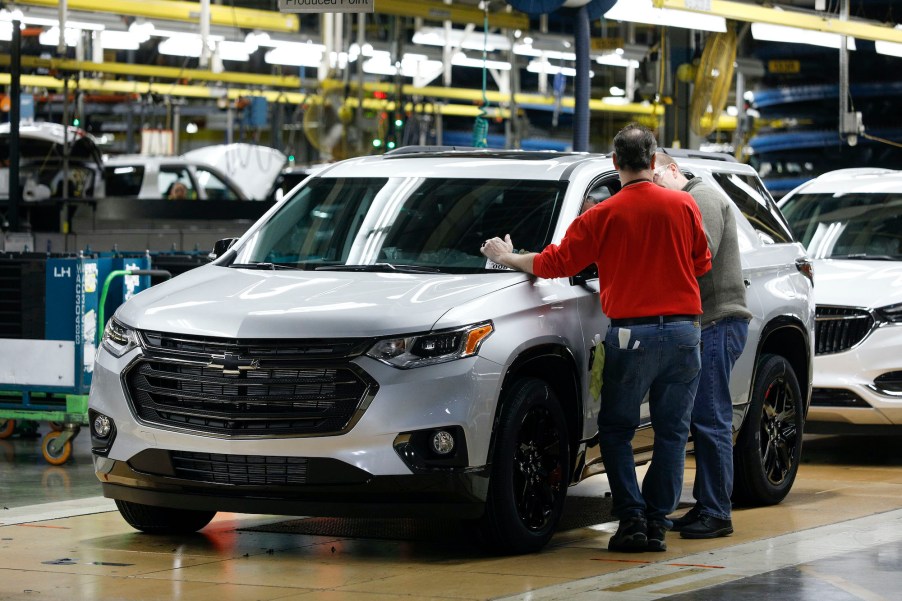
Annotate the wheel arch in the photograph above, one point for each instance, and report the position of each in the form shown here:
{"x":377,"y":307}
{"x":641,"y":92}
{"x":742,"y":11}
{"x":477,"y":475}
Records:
{"x":788,"y":337}
{"x":556,"y":365}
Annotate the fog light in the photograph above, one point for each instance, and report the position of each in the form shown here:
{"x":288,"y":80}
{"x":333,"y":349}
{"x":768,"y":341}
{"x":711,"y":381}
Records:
{"x":101,"y":426}
{"x":442,"y":442}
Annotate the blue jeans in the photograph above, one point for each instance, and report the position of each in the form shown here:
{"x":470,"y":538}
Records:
{"x":663,"y":361}
{"x":712,"y":416}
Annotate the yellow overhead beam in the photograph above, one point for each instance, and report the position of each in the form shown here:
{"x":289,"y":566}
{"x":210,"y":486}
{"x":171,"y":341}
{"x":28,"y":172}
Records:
{"x":493,"y":97}
{"x":754,"y":13}
{"x":227,"y":16}
{"x":109,"y":86}
{"x":269,"y":20}
{"x":154,"y":71}
{"x":456,"y":13}
{"x":290,"y":83}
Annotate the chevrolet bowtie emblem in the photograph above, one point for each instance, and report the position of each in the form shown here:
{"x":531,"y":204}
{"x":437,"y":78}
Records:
{"x":232,"y":365}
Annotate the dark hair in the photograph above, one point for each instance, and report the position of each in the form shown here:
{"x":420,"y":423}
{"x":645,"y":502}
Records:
{"x":634,"y":147}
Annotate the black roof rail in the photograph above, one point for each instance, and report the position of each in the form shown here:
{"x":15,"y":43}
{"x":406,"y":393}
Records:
{"x":414,"y":148}
{"x":686,"y":153}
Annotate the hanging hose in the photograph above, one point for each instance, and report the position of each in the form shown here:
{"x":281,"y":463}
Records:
{"x":582,"y":91}
{"x":481,"y":125}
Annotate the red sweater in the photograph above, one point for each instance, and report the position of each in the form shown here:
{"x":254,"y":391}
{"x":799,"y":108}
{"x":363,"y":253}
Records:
{"x":649,"y":245}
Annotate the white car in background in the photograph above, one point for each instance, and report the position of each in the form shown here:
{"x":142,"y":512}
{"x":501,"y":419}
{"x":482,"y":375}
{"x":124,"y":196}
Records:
{"x":153,"y":177}
{"x":851,"y":223}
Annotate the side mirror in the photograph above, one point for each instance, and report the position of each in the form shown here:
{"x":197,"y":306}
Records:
{"x":221,"y":247}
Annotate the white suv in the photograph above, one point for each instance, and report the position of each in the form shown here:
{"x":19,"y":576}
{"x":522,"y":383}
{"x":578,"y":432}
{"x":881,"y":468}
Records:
{"x":851,"y":222}
{"x":354,"y":354}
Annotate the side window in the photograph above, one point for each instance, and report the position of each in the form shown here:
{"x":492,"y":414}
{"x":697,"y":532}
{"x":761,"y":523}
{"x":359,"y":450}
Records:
{"x":753,"y":200}
{"x":174,"y":183}
{"x":213,"y":186}
{"x":124,"y":180}
{"x":599,"y":191}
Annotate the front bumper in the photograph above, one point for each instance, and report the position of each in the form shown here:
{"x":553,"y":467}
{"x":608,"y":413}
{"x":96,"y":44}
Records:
{"x":854,"y":371}
{"x":331,"y":489}
{"x":459,"y":396}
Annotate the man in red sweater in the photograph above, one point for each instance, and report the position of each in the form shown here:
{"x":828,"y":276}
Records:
{"x":649,"y":245}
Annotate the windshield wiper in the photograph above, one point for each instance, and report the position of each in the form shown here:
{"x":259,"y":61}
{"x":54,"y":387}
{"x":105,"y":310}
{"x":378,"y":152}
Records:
{"x":380,"y":268}
{"x":867,"y":257}
{"x":266,"y":266}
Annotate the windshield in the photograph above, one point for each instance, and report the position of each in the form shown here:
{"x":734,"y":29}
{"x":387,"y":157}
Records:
{"x":404,"y":221}
{"x":857,"y":226}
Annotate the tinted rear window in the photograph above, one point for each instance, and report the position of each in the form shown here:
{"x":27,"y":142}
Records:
{"x":124,"y":180}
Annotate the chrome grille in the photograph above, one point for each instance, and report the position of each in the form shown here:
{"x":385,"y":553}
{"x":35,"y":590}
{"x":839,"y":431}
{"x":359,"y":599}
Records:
{"x":283,"y":388}
{"x":840,"y":328}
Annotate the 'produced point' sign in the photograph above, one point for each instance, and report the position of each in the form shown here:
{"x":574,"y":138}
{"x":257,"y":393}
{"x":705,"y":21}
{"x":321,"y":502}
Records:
{"x":327,"y":6}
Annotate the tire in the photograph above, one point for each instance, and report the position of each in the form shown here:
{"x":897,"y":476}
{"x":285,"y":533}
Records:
{"x":163,"y":520}
{"x":7,"y":427}
{"x":530,"y":471}
{"x":769,"y":446}
{"x":55,"y":453}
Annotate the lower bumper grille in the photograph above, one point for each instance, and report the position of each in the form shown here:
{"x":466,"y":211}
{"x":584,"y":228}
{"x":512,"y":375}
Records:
{"x":890,"y":382}
{"x":239,"y":469}
{"x":836,"y":397}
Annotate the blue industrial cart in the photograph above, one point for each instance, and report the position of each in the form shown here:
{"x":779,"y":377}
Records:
{"x":48,"y":341}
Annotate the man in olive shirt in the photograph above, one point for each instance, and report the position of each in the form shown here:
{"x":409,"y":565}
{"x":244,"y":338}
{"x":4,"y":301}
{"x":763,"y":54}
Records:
{"x":724,"y":321}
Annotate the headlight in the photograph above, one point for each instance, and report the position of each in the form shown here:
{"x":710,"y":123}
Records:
{"x":428,"y":349}
{"x":891,"y":314}
{"x":118,"y":339}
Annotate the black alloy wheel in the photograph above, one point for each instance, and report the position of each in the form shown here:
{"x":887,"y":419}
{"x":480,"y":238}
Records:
{"x":768,"y":449}
{"x":530,"y":470}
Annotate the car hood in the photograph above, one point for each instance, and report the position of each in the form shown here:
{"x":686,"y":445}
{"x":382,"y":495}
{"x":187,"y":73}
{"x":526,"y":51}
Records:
{"x":854,"y":283}
{"x":239,"y":303}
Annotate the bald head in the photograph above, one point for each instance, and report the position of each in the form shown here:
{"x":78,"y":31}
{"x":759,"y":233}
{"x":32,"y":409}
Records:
{"x":634,"y":147}
{"x":668,"y":173}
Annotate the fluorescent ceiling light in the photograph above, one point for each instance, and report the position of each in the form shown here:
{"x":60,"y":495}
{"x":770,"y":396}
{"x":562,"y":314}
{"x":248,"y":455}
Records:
{"x":412,"y":65}
{"x":462,"y":60}
{"x":461,"y":38}
{"x":120,"y":40}
{"x":234,"y":51}
{"x":51,"y":37}
{"x":616,"y":60}
{"x":765,"y":32}
{"x":642,"y":11}
{"x":142,"y":29}
{"x":530,"y":50}
{"x":888,"y":48}
{"x":181,"y":45}
{"x":6,"y":32}
{"x":540,"y":66}
{"x":295,"y":54}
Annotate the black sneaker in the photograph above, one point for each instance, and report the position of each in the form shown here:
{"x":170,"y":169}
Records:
{"x":707,"y":526}
{"x":687,"y":518}
{"x":656,"y":533}
{"x":631,"y":536}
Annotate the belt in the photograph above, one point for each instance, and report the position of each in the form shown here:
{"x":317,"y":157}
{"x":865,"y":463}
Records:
{"x":644,"y":321}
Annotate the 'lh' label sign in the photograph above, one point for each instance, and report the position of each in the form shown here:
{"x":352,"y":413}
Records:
{"x":327,"y":6}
